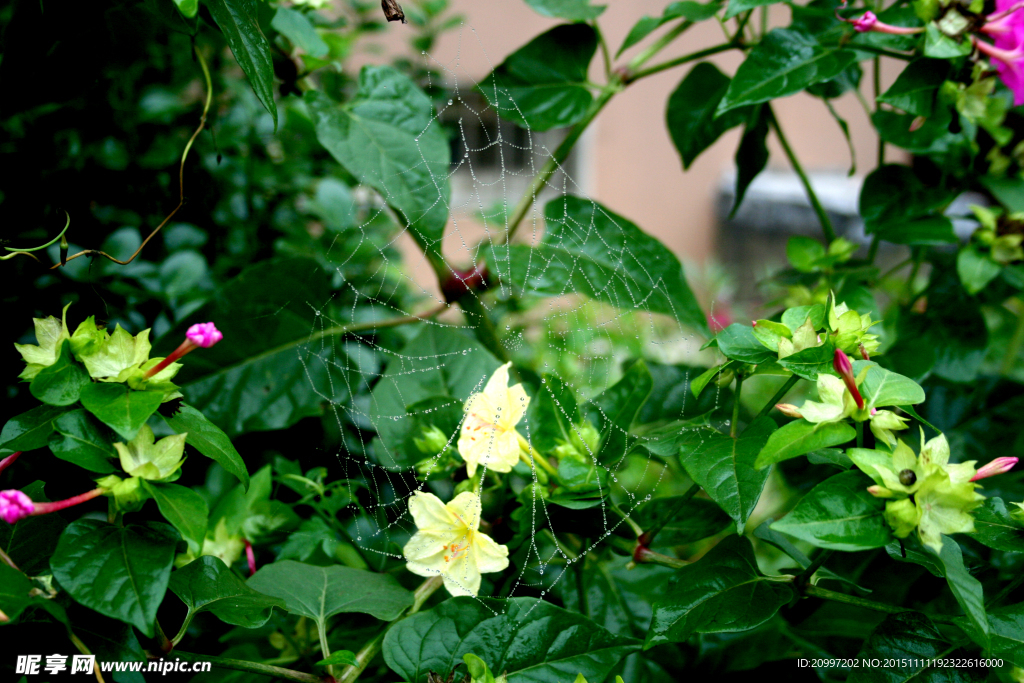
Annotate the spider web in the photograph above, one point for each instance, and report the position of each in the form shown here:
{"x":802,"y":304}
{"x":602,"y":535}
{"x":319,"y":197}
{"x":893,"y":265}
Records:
{"x":567,"y":338}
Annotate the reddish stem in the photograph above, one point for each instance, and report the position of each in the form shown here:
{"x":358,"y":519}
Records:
{"x":184,"y":348}
{"x":46,"y":508}
{"x":9,"y":460}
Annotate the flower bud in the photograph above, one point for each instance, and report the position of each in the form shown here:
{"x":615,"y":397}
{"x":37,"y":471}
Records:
{"x":788,"y":409}
{"x":842,"y":365}
{"x":9,"y":460}
{"x":997,"y":466}
{"x":15,"y":505}
{"x":879,"y":491}
{"x":200,"y":335}
{"x":433,"y":442}
{"x":459,"y":282}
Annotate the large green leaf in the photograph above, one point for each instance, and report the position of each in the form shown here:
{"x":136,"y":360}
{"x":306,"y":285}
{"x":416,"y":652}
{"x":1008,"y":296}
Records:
{"x":30,"y":541}
{"x":687,"y":9}
{"x":917,"y":86}
{"x":685,"y":520}
{"x":724,"y":466}
{"x":839,"y":514}
{"x":208,"y":585}
{"x":783,"y":63}
{"x":571,"y":10}
{"x":297,"y":28}
{"x":900,"y":207}
{"x":966,"y":589}
{"x":120,"y":408}
{"x":209,"y":439}
{"x":810,"y":362}
{"x":273,"y":366}
{"x":690,"y":115}
{"x":738,"y":342}
{"x":238,"y":20}
{"x":321,"y":592}
{"x":61,"y":383}
{"x":121,"y":572}
{"x":614,"y":410}
{"x":996,"y":528}
{"x":723,"y":592}
{"x":1007,"y":624}
{"x":592,"y":251}
{"x":388,"y":137}
{"x":800,"y":437}
{"x":882,"y":388}
{"x":14,"y":593}
{"x":437,"y":362}
{"x":751,"y":154}
{"x":80,"y":439}
{"x":532,"y":640}
{"x":29,"y":430}
{"x":902,"y":646}
{"x":184,"y":509}
{"x":552,"y":414}
{"x":543,"y":84}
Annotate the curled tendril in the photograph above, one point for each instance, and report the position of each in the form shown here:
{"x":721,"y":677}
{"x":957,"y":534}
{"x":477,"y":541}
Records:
{"x":27,"y":252}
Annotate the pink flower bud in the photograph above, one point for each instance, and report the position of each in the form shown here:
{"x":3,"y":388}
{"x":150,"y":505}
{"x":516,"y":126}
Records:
{"x":869,"y":22}
{"x":997,"y":466}
{"x":842,"y":365}
{"x":460,"y":282}
{"x":15,"y":505}
{"x":874,"y":411}
{"x":788,"y":409}
{"x":204,"y":335}
{"x":250,"y":556}
{"x":879,"y":491}
{"x":9,"y":460}
{"x":865,"y":23}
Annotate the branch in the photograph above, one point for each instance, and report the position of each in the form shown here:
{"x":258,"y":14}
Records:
{"x":826,"y":222}
{"x":825,"y":594}
{"x":250,"y":667}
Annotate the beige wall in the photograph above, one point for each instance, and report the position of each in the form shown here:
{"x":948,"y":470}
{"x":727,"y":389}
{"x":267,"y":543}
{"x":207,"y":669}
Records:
{"x":630,"y":163}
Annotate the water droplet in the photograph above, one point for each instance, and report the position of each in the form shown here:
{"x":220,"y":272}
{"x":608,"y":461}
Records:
{"x":450,"y":102}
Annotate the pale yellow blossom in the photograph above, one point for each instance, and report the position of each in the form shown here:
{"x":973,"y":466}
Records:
{"x":489,"y":435}
{"x":448,"y":543}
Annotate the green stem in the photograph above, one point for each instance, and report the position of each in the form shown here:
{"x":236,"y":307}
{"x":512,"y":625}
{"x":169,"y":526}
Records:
{"x":43,"y":246}
{"x":1003,"y":594}
{"x":826,"y":222}
{"x":658,"y":45}
{"x":825,"y":594}
{"x":779,"y":395}
{"x":734,"y":425}
{"x":906,"y":57}
{"x":250,"y":667}
{"x":484,"y":329}
{"x":324,"y":648}
{"x":183,"y":629}
{"x":165,"y":645}
{"x":644,"y":555}
{"x":1013,"y":348}
{"x":876,"y":78}
{"x":821,"y":558}
{"x":606,"y":56}
{"x":918,"y":257}
{"x":892,"y":270}
{"x":535,"y":457}
{"x":700,"y":54}
{"x":648,"y":536}
{"x":873,"y":249}
{"x":339,"y":330}
{"x":370,"y":650}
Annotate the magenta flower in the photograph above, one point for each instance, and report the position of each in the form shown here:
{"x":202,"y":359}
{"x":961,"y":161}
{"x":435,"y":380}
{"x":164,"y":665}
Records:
{"x":842,"y":365}
{"x":1006,"y":26}
{"x":200,"y":335}
{"x":250,"y":556}
{"x":15,"y":505}
{"x":997,"y":466}
{"x":869,"y":22}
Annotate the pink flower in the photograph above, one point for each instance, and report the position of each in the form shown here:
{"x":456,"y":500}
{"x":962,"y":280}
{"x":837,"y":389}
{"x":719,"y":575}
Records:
{"x":997,"y":466}
{"x":250,"y":556}
{"x":842,"y":365}
{"x":869,"y":22}
{"x":200,"y":335}
{"x":204,"y":335}
{"x":15,"y":505}
{"x":1006,"y":26}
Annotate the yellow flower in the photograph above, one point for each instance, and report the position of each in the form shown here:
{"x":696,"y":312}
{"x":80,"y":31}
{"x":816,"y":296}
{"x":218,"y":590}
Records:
{"x":448,"y":543}
{"x":489,"y":435}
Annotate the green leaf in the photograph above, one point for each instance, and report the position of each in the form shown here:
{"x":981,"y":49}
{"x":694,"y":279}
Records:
{"x":996,"y":528}
{"x":274,"y":372}
{"x":739,"y":343}
{"x":184,"y":509}
{"x":751,"y":154}
{"x":975,"y":269}
{"x":388,"y":137}
{"x":592,"y":251}
{"x":690,"y":115}
{"x":321,"y":592}
{"x":340,"y":657}
{"x":81,"y":440}
{"x":900,"y":208}
{"x":780,"y":541}
{"x":940,"y":46}
{"x":839,"y":514}
{"x":416,"y":375}
{"x":800,"y":437}
{"x":209,"y":439}
{"x":723,"y":466}
{"x":917,"y":85}
{"x":966,"y":589}
{"x":614,"y":410}
{"x":902,"y":646}
{"x":570,"y":10}
{"x":685,"y":521}
{"x":737,"y":6}
{"x":299,"y":30}
{"x":208,"y":585}
{"x":30,"y":430}
{"x":542,"y":85}
{"x":697,"y":385}
{"x":14,"y":593}
{"x":810,"y":362}
{"x":552,"y":414}
{"x":121,"y":572}
{"x":723,"y":592}
{"x":30,"y":541}
{"x":1007,"y":632}
{"x":804,"y":253}
{"x":783,"y":63}
{"x":882,"y":388}
{"x":532,"y":640}
{"x":794,"y":317}
{"x":61,"y":383}
{"x":120,"y":408}
{"x":238,"y":21}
